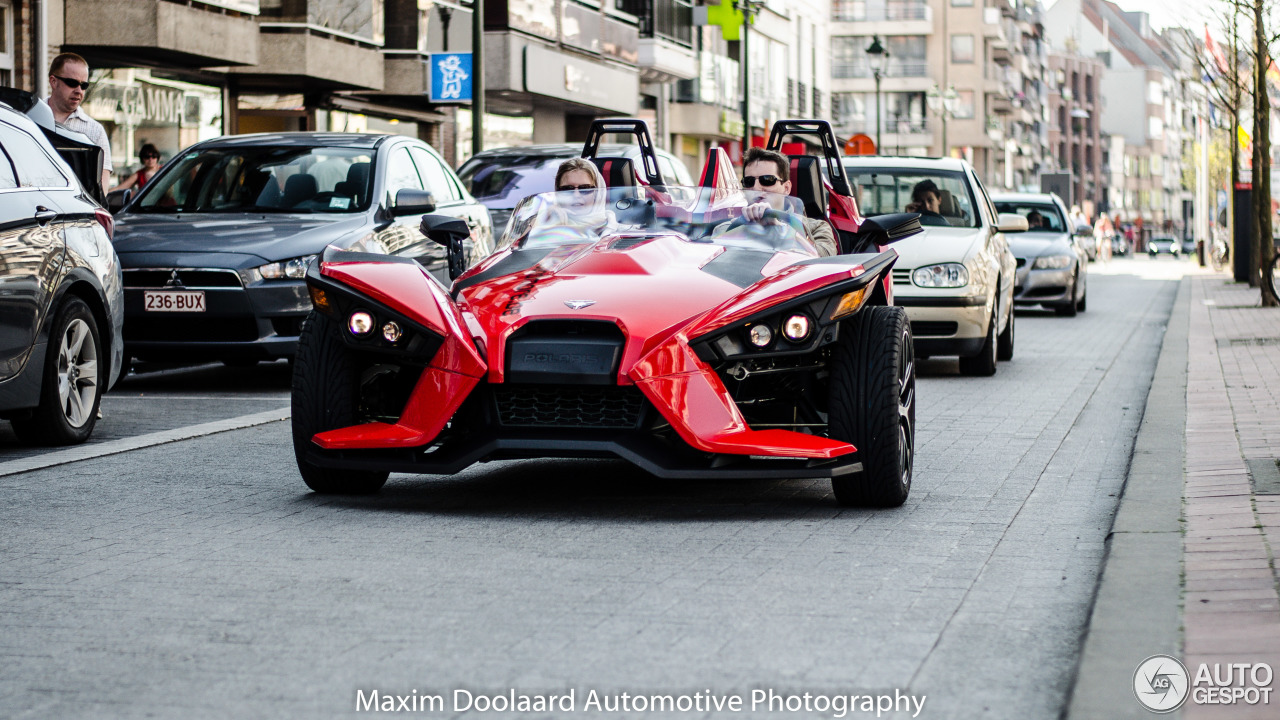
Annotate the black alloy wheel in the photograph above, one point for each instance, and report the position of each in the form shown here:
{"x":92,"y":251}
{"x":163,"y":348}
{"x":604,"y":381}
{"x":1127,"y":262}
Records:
{"x":71,"y":382}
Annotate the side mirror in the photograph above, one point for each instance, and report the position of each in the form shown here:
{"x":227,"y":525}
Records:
{"x":414,"y":202}
{"x":118,"y":199}
{"x":449,"y":231}
{"x":1011,"y":223}
{"x":884,"y":229}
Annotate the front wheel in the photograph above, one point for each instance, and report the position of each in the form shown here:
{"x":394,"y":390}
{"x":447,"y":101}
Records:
{"x":872,"y":405}
{"x":1004,"y":343}
{"x":70,"y":380}
{"x":324,"y":398}
{"x":1069,"y":309}
{"x":984,"y":363}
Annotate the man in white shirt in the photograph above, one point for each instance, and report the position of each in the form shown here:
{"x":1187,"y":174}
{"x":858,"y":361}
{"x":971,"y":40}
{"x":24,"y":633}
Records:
{"x":68,"y":81}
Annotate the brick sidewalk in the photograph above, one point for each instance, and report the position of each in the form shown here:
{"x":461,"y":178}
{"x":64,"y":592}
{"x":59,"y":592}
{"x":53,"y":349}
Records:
{"x":1231,"y":604}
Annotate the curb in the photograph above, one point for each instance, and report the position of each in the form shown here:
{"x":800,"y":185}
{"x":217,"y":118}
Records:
{"x":1138,"y":603}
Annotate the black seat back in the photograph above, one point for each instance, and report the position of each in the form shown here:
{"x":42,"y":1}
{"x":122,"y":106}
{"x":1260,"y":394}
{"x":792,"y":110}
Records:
{"x":298,"y":188}
{"x":356,"y":184}
{"x":807,"y":185}
{"x":617,"y":172}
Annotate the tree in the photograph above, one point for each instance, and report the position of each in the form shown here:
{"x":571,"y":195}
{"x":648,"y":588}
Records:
{"x":1265,"y":250}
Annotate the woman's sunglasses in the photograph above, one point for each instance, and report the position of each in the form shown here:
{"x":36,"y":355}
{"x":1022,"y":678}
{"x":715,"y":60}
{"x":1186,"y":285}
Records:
{"x":581,"y":189}
{"x":73,"y":84}
{"x":150,"y":155}
{"x":765,"y":180}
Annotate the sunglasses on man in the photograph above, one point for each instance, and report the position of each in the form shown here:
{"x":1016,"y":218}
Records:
{"x":765,"y":180}
{"x":580,"y":189}
{"x":73,"y":84}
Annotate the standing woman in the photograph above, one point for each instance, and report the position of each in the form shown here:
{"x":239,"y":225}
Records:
{"x":150,"y":158}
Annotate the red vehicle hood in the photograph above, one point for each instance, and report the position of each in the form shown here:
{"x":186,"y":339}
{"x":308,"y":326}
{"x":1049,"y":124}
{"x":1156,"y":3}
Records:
{"x":649,"y":285}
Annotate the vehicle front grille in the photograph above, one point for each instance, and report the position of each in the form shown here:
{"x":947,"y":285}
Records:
{"x":901,"y":277}
{"x":184,"y":329}
{"x":158,"y":278}
{"x":933,"y":328}
{"x":568,"y":406}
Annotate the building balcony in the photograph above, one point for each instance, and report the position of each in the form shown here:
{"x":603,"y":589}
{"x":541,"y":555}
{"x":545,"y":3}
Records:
{"x":896,"y":68}
{"x":126,"y":33}
{"x":662,"y":60}
{"x":893,"y":12}
{"x":314,"y":58}
{"x":1000,"y":54}
{"x":999,"y":104}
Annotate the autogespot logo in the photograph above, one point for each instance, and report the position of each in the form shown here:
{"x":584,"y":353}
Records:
{"x":1160,"y":683}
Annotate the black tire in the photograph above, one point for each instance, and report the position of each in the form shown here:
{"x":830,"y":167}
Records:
{"x":872,"y":405}
{"x":324,"y":398}
{"x":1069,"y":308}
{"x":1083,"y":305}
{"x":71,"y":383}
{"x":1004,"y":342}
{"x":984,"y":363}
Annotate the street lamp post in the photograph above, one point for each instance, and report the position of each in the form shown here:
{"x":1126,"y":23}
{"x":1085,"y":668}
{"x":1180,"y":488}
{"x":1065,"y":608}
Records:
{"x":748,"y":8}
{"x":877,"y":56}
{"x":943,"y":102}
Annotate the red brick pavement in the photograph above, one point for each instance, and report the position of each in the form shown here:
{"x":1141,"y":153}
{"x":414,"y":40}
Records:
{"x":1231,"y":602}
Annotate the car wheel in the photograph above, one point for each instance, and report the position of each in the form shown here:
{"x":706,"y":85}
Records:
{"x":70,"y":382}
{"x":1004,"y":343}
{"x":1084,"y":299}
{"x":873,"y":406}
{"x":984,"y":363}
{"x":1068,"y":309}
{"x":324,"y":398}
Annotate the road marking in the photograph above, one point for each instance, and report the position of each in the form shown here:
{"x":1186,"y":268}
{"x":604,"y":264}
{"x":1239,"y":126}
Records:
{"x":113,"y":447}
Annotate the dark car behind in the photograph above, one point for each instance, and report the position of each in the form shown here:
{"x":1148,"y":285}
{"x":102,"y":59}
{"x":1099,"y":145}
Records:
{"x":216,"y":246}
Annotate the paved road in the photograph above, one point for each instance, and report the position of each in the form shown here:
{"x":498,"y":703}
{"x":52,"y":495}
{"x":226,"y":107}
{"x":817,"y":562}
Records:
{"x":200,"y":579}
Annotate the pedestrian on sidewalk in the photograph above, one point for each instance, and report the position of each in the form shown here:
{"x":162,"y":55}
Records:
{"x":68,"y":82}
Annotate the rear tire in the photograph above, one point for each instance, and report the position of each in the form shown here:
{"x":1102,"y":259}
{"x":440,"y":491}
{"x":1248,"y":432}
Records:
{"x":872,"y":405}
{"x":1004,"y":343}
{"x":71,"y":380}
{"x":324,"y":398}
{"x":984,"y":363}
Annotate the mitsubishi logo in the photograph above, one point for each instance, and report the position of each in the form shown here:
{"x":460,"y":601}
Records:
{"x":579,"y":304}
{"x":174,"y":281}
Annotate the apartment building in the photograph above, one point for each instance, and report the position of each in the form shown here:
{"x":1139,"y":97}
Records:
{"x":964,"y":78}
{"x":1143,"y":76}
{"x":1075,"y":129}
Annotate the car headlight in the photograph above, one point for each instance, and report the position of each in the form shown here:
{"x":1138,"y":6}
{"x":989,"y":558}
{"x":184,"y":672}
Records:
{"x":1051,"y":262}
{"x":944,"y":275}
{"x":295,"y":268}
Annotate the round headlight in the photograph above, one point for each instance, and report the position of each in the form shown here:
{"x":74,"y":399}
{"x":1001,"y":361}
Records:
{"x":360,"y":323}
{"x":391,"y":332}
{"x":760,"y":335}
{"x":796,"y":328}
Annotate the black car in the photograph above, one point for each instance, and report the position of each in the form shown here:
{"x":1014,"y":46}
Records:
{"x":502,"y":177}
{"x":216,"y":246}
{"x":61,"y":302}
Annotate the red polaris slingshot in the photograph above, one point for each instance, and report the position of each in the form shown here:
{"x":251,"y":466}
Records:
{"x":644,"y":321}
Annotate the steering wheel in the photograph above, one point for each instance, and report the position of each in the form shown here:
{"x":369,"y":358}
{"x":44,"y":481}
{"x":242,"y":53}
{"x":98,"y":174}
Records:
{"x":783,"y":218}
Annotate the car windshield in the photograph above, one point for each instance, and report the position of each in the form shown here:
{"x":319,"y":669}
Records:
{"x":501,"y":181}
{"x":1041,"y":216}
{"x":578,"y":217}
{"x":262,"y":179}
{"x":942,"y":198}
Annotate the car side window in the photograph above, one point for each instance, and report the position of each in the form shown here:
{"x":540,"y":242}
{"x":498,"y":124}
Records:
{"x":34,"y":166}
{"x":8,"y":179}
{"x":401,"y":174}
{"x":435,"y":176}
{"x":984,"y":201}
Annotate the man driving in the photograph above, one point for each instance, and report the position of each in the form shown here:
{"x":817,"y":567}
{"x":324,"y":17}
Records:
{"x":769,"y":172}
{"x":1035,"y":220}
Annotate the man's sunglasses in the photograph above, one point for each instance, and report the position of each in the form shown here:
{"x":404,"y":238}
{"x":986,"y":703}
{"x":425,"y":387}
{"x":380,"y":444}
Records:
{"x":582,"y":189}
{"x":73,"y":84}
{"x":765,"y":180}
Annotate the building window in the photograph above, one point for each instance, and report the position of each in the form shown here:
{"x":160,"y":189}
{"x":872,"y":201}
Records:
{"x":961,"y":3}
{"x":961,"y":48}
{"x":964,"y":105}
{"x":849,"y":110}
{"x":6,"y":43}
{"x":907,"y":56}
